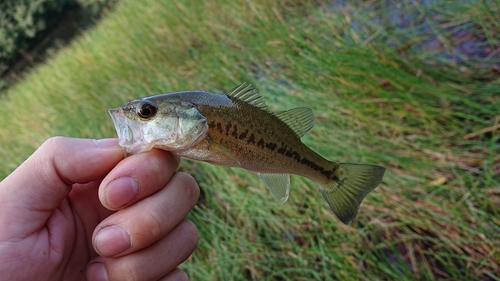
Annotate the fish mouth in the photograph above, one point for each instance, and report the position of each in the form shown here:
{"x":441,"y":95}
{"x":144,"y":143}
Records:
{"x":129,"y":132}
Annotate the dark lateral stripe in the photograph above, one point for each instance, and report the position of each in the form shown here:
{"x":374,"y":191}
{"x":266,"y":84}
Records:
{"x":271,"y":146}
{"x":329,"y":174}
{"x":232,"y":129}
{"x":217,"y":126}
{"x":243,"y":135}
{"x":260,"y":143}
{"x":235,"y":131}
{"x":251,"y":139}
{"x":228,"y":127}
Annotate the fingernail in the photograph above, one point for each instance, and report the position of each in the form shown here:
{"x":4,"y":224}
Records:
{"x":111,"y":240}
{"x":121,"y":191}
{"x":97,"y":271}
{"x":107,"y":143}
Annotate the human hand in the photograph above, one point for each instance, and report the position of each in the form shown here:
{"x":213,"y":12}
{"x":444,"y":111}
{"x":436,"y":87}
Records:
{"x":76,"y":210}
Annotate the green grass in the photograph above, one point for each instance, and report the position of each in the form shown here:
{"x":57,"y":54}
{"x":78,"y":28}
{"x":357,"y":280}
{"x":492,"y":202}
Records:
{"x":376,"y":97}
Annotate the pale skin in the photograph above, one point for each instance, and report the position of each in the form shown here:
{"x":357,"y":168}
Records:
{"x":77,"y":209}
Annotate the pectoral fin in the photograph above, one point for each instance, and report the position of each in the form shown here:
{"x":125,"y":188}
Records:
{"x":224,"y":156}
{"x":278,"y":184}
{"x":212,"y":152}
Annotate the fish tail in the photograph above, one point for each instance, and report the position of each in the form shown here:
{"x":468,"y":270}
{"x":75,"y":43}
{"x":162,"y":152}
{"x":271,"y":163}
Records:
{"x":351,"y":183}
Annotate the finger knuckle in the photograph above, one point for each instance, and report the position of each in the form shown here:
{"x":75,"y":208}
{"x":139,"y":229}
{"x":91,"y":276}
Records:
{"x":125,"y":270}
{"x":190,"y":186}
{"x":49,"y":164}
{"x":155,"y":223}
{"x":161,"y":160}
{"x":156,"y":164}
{"x":190,"y":233}
{"x":52,"y":143}
{"x":176,"y":274}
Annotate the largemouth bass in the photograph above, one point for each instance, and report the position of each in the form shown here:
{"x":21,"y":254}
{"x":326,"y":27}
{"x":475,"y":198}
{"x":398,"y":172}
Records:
{"x":237,"y":129}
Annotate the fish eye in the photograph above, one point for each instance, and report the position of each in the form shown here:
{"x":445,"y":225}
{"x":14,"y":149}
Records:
{"x":146,"y":110}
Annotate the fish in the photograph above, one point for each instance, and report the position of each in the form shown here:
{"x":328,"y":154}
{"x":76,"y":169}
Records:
{"x":238,"y":129}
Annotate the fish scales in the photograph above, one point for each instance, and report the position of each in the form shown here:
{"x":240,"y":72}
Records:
{"x":237,"y":129}
{"x":260,"y":141}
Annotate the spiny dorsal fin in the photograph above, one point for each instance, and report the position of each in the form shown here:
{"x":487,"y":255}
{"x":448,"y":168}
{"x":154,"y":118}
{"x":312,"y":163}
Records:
{"x":300,"y":119}
{"x":245,"y":92}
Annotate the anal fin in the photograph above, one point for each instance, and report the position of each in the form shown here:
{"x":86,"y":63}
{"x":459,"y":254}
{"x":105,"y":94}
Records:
{"x":278,"y":184}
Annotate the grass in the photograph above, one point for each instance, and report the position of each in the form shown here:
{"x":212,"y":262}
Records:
{"x":379,"y":93}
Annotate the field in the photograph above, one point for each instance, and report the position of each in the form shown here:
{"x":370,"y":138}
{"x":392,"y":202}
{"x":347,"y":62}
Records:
{"x":410,"y":86}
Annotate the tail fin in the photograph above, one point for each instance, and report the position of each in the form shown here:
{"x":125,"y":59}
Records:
{"x":354,"y":182}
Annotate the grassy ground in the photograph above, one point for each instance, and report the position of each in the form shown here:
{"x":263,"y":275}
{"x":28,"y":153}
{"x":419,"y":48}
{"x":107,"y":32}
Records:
{"x":381,"y":94}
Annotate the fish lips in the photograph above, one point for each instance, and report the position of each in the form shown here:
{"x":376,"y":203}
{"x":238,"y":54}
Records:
{"x":129,"y":132}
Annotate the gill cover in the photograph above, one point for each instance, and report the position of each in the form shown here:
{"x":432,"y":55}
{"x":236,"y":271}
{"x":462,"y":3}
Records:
{"x":167,"y":124}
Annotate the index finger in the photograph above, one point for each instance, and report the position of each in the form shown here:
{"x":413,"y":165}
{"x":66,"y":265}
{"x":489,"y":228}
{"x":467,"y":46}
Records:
{"x":137,"y":177}
{"x":37,"y":187}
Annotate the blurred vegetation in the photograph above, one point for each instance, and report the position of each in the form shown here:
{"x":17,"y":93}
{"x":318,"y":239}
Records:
{"x":412,"y":86}
{"x":31,"y":30}
{"x":23,"y":21}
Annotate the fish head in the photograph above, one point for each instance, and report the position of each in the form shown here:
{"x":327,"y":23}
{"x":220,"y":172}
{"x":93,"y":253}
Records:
{"x":167,"y":123}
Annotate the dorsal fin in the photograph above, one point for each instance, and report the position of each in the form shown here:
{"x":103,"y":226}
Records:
{"x":300,"y":119}
{"x":244,"y":92}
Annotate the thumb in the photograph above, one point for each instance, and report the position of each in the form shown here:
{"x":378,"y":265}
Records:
{"x":29,"y":195}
